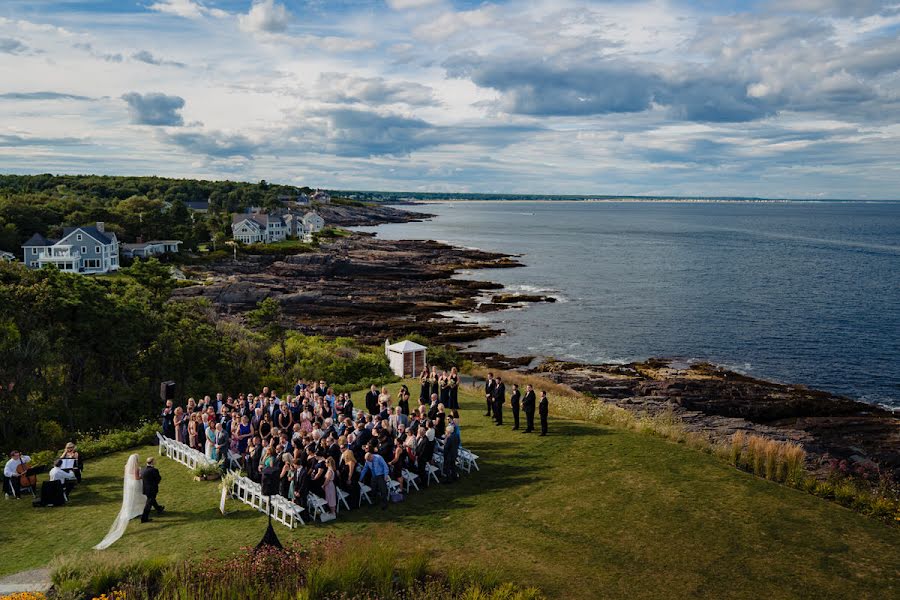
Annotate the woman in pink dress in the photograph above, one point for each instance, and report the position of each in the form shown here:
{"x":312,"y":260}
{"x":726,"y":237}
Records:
{"x":328,"y":485}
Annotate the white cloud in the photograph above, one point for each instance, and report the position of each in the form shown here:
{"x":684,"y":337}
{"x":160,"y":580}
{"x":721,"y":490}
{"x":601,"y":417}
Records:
{"x":266,"y":16}
{"x":408,"y":4}
{"x":188,"y":9}
{"x":451,"y":23}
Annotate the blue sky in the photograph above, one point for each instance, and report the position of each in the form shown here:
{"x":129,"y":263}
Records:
{"x":789,"y":98}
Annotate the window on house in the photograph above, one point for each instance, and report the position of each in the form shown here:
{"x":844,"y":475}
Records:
{"x":34,"y":250}
{"x":97,"y":249}
{"x":79,"y":237}
{"x":84,"y":249}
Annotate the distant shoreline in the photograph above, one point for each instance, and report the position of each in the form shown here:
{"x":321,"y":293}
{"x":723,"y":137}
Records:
{"x":416,"y":201}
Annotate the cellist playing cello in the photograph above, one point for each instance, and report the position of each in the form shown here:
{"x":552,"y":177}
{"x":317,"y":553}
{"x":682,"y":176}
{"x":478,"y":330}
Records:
{"x":16,"y":469}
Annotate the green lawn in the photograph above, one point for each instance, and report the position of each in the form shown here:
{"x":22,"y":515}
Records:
{"x":586,"y":512}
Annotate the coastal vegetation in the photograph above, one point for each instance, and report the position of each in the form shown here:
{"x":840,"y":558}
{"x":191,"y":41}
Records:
{"x":570,"y":514}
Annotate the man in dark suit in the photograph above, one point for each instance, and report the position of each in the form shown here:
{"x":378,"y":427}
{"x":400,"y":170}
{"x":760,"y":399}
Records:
{"x":544,"y":410}
{"x":372,"y":400}
{"x":150,"y":479}
{"x":514,"y":403}
{"x":489,"y":394}
{"x":528,"y":405}
{"x":451,"y":453}
{"x":499,"y":400}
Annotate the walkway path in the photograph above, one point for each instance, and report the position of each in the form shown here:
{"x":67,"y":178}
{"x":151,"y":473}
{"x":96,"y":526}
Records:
{"x":34,"y":580}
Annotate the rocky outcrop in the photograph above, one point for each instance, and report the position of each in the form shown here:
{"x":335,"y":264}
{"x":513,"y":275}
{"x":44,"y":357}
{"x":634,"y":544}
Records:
{"x":376,"y":214}
{"x":359,"y":286}
{"x":718,"y":402}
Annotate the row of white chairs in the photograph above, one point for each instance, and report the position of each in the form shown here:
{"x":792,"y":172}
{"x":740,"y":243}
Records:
{"x":283,"y":510}
{"x":182,"y":453}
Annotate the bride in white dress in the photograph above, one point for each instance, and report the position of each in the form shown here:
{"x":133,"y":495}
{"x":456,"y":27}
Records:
{"x":133,"y":500}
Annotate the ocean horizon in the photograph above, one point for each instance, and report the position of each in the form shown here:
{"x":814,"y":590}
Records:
{"x":800,"y":292}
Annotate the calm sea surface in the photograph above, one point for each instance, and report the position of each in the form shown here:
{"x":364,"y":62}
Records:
{"x":800,"y":292}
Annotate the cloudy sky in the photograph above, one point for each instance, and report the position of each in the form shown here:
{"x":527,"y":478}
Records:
{"x":776,"y":98}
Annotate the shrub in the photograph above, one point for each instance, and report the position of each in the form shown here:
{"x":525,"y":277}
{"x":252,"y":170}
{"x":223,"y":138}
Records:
{"x":92,"y":446}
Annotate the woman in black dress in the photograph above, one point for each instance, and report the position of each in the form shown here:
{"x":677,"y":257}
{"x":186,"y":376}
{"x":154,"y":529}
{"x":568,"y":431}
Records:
{"x":444,"y":384}
{"x":454,"y":389}
{"x":425,"y":389}
{"x":287,"y":474}
{"x":348,"y":477}
{"x":433,"y":380}
{"x":403,"y":402}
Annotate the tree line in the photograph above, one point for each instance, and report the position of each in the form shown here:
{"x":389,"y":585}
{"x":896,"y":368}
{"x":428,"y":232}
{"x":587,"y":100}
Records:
{"x":132,"y":207}
{"x":84,"y":354}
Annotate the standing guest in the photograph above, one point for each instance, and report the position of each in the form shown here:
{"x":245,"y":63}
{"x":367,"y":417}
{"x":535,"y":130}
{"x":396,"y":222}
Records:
{"x":193,"y":437}
{"x":434,"y":380}
{"x":379,"y":471}
{"x":211,"y":440}
{"x":424,"y":387}
{"x":528,"y":405}
{"x":73,"y":463}
{"x":285,"y":420}
{"x":348,"y":478}
{"x":514,"y":404}
{"x":245,"y":432}
{"x":403,"y":401}
{"x":499,"y":400}
{"x":265,"y":427}
{"x":328,"y":485}
{"x":299,"y":387}
{"x":348,"y":406}
{"x":544,"y":409}
{"x":454,"y":389}
{"x":286,"y":476}
{"x":177,"y":421}
{"x":252,"y":457}
{"x":451,"y":453}
{"x":300,"y":482}
{"x":221,"y":441}
{"x":168,"y":416}
{"x":384,"y":399}
{"x":11,"y":476}
{"x":440,"y":421}
{"x":372,"y":400}
{"x":444,"y":385}
{"x":489,"y":394}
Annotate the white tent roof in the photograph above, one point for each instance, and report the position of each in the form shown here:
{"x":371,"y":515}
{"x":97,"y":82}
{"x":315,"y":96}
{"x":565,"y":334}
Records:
{"x":406,"y":346}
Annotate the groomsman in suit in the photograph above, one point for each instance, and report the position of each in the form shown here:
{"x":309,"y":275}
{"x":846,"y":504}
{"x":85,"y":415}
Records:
{"x":499,"y":400}
{"x":528,"y":405}
{"x":514,"y":403}
{"x":544,"y":410}
{"x":372,"y":400}
{"x":489,"y":394}
{"x":150,"y":479}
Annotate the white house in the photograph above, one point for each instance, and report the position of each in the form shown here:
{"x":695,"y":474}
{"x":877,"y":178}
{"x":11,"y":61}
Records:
{"x":151,"y":248}
{"x":258,"y":228}
{"x":265,"y":227}
{"x":313,"y":222}
{"x":406,"y":358}
{"x":89,"y":249}
{"x":321,"y":197}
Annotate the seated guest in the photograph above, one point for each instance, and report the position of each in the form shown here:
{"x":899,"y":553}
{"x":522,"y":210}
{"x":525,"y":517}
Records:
{"x":66,"y":478}
{"x":72,"y":461}
{"x":11,"y":476}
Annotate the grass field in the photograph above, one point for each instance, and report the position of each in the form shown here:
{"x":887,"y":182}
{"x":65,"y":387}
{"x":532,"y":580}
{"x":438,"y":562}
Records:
{"x":587,"y":512}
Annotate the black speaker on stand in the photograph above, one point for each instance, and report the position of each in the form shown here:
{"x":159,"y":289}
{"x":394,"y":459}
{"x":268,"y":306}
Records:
{"x":269,"y":489}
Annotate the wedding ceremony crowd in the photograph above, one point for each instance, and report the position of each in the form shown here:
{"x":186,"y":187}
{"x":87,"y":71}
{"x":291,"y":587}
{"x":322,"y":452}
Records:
{"x":315,"y":441}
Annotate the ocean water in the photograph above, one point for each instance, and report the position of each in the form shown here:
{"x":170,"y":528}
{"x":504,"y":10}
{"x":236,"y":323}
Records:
{"x":800,"y":292}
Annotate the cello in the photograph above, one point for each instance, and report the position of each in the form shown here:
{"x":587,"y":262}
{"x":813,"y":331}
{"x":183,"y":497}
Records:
{"x":25,"y":480}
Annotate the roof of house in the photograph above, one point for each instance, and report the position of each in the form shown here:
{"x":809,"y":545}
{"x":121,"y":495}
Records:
{"x":142,"y":245}
{"x":7,"y":255}
{"x":92,"y":231}
{"x":406,"y":346}
{"x":38,"y":240}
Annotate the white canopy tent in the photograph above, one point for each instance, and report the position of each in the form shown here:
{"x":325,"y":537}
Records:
{"x":406,"y":358}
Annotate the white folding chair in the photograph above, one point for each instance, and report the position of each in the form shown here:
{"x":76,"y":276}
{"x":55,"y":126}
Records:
{"x":342,"y":497}
{"x":364,"y":493}
{"x":315,"y":506}
{"x":432,"y":472}
{"x":409,"y":479}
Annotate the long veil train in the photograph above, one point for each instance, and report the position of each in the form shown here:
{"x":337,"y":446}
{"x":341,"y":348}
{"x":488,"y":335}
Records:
{"x":133,"y":501}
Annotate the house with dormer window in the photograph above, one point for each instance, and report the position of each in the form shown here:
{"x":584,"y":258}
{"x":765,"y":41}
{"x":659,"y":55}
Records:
{"x":88,"y":249}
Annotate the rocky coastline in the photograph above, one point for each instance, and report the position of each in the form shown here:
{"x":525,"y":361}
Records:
{"x":374,"y":289}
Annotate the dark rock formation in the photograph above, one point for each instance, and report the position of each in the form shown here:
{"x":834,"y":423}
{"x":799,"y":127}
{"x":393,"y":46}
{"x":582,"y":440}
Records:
{"x":718,"y":402}
{"x":377,"y":214}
